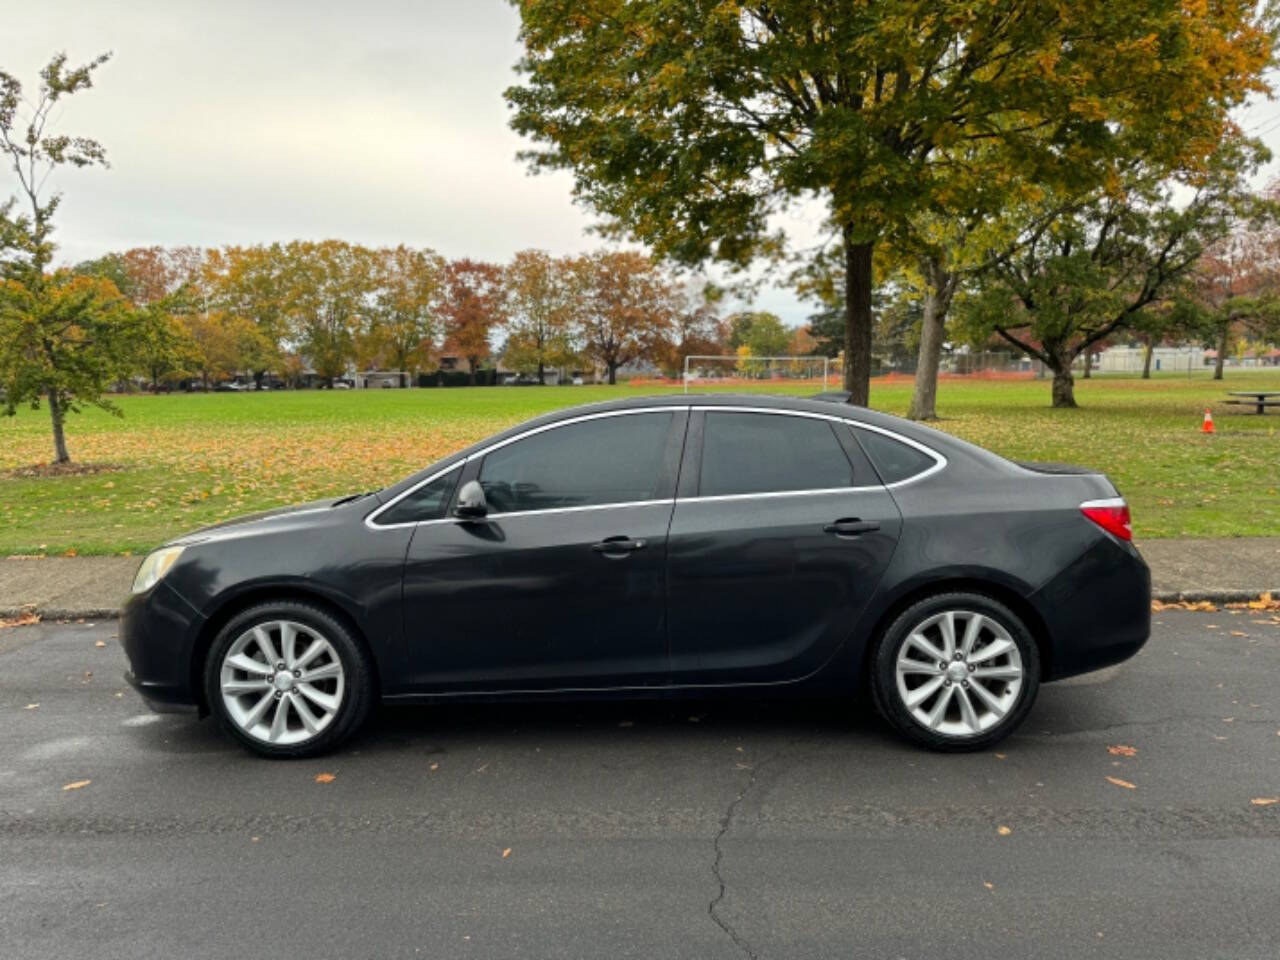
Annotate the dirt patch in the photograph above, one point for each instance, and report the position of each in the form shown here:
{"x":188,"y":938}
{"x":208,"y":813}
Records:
{"x":72,"y":469}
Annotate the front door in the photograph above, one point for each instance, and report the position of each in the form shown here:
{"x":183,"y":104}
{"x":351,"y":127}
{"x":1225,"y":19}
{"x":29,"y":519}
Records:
{"x":562,"y":584}
{"x":780,"y":535}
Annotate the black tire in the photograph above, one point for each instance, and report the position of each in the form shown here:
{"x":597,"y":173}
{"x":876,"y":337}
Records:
{"x":889,"y":699}
{"x":357,"y":682}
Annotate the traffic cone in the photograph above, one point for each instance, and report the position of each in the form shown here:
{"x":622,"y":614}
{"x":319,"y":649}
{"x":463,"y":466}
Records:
{"x":1207,"y":426}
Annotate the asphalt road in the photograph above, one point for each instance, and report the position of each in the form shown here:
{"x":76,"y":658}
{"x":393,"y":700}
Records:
{"x":704,"y":830}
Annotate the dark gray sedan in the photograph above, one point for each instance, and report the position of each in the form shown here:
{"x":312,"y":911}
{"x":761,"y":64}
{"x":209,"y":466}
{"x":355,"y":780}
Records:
{"x":662,"y":546}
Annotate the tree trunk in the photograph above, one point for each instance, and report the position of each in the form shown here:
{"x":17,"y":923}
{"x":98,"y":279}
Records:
{"x":471,"y":364}
{"x":1088,"y":363}
{"x":1063,"y":384}
{"x":1222,"y":353}
{"x":1146,"y":359}
{"x":937,"y":301}
{"x":59,"y":438}
{"x":857,"y":319}
{"x":540,"y":373}
{"x":613,"y":373}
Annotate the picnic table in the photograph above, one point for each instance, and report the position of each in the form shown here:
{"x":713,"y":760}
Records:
{"x":1261,"y":398}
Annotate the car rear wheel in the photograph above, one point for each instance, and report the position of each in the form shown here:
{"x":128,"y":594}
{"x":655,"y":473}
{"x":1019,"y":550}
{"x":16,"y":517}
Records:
{"x":287,"y":679}
{"x":956,"y":671}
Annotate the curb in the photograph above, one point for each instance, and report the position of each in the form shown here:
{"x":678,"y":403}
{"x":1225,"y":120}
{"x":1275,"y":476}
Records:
{"x":1166,"y":596}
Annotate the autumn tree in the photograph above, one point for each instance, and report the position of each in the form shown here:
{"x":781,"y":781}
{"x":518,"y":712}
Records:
{"x":327,"y":288}
{"x":62,"y":335}
{"x":697,"y":329}
{"x":474,"y":305}
{"x":540,"y":295}
{"x":625,"y":308}
{"x":405,"y":322}
{"x":1077,"y":277}
{"x":689,"y":124}
{"x":252,"y":284}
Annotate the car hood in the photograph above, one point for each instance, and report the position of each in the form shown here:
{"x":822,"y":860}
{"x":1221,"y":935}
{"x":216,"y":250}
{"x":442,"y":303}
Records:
{"x":278,"y":518}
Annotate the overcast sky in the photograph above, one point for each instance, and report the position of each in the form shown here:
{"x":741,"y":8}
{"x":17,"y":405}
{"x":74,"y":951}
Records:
{"x":379,"y":122}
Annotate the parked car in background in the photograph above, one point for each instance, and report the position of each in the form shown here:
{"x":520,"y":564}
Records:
{"x":663,"y":546}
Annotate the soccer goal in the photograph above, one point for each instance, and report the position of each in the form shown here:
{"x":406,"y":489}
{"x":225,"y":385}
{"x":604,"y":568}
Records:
{"x":730,"y":370}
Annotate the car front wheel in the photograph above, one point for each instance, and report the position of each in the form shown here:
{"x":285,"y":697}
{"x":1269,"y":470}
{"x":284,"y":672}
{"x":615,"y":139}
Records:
{"x":956,"y":671}
{"x":288,"y":679}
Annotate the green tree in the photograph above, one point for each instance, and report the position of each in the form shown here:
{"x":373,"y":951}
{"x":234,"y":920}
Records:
{"x":1075,"y":278}
{"x":64,"y":343}
{"x":760,"y":330}
{"x":62,"y":334}
{"x":689,"y":124}
{"x":540,"y":294}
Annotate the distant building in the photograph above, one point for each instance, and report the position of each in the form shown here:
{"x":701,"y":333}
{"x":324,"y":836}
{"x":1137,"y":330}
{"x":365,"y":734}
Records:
{"x":1130,"y":359}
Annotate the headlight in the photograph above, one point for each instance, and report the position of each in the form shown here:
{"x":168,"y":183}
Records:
{"x":155,"y":567}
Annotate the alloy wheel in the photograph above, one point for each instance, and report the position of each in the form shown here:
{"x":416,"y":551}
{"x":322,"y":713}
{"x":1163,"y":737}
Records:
{"x":959,"y":673}
{"x":282,"y":682}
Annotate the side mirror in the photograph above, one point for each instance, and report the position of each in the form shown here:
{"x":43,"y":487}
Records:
{"x":471,"y":504}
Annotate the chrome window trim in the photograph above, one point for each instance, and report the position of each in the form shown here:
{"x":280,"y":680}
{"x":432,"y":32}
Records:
{"x":939,"y":461}
{"x":369,"y":520}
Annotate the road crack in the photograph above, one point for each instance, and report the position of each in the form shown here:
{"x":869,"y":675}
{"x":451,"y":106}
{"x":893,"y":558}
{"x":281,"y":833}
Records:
{"x":726,"y":824}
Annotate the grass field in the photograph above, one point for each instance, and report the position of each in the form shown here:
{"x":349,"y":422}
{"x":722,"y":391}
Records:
{"x":183,"y":461}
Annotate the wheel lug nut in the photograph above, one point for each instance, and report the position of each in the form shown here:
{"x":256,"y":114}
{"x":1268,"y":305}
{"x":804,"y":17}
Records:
{"x":965,"y":684}
{"x":972,"y":667}
{"x":298,"y":673}
{"x":279,"y":694}
{"x":946,"y":683}
{"x":958,"y":655}
{"x":279,"y":666}
{"x":942,"y":664}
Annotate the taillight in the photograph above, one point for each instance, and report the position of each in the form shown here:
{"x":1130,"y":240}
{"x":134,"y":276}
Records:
{"x":1111,"y":515}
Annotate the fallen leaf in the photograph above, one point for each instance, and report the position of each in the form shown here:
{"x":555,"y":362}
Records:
{"x":32,"y":706}
{"x":989,"y":886}
{"x":76,"y":784}
{"x":1238,"y":633}
{"x":506,"y":853}
{"x":435,"y":766}
{"x":1121,"y":750}
{"x":99,"y":644}
{"x":325,"y":778}
{"x":1264,"y":801}
{"x":1001,"y":756}
{"x":25,"y":619}
{"x":1121,"y":783}
{"x":1003,"y":831}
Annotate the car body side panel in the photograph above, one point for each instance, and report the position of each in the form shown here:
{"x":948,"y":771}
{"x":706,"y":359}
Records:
{"x":328,"y":554}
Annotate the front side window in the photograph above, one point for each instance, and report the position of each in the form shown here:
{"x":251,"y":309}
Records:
{"x":770,"y":453}
{"x":606,"y":460}
{"x":428,"y":502}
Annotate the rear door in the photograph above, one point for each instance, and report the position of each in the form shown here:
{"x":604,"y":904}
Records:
{"x":781,"y":532}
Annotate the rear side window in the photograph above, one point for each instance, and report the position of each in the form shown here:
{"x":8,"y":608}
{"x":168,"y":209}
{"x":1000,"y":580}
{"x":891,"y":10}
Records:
{"x":605,"y":460}
{"x":894,"y":461}
{"x":428,"y":502}
{"x":770,"y":453}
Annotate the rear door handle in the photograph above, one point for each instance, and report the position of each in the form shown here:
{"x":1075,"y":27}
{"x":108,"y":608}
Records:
{"x":851,"y":527}
{"x":618,"y":546}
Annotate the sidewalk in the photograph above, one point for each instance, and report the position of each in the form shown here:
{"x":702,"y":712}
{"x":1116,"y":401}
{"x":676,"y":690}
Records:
{"x":73,"y":587}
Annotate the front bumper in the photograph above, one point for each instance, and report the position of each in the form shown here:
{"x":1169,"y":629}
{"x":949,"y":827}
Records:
{"x":1097,"y":610}
{"x":158,"y":630}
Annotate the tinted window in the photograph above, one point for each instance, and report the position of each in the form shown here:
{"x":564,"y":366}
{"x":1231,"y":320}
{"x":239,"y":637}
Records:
{"x":606,"y":460}
{"x":894,"y":460}
{"x":428,"y":502}
{"x":764,"y":453}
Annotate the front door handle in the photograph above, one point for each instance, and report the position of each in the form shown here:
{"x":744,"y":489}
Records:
{"x":618,"y":546}
{"x":851,"y":527}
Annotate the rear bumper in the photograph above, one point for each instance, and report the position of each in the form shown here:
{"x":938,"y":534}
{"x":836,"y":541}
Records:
{"x":157,"y":631}
{"x":1097,"y":610}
